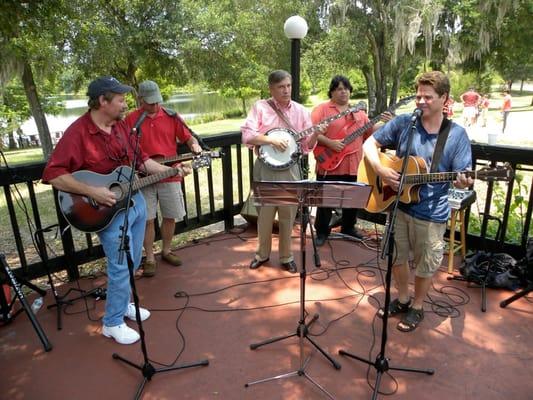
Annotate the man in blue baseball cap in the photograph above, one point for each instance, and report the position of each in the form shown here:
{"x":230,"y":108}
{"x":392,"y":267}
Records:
{"x":100,"y":142}
{"x":105,"y":84}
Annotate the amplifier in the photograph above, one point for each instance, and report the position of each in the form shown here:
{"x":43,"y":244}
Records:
{"x":461,"y":198}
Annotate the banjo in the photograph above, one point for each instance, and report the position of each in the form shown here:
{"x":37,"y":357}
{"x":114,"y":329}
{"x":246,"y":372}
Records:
{"x":280,"y":160}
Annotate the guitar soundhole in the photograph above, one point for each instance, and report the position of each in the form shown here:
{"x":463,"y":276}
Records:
{"x":119,"y":194}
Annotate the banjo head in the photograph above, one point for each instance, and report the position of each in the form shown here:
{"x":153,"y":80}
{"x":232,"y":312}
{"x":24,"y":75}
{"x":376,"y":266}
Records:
{"x":279,"y":159}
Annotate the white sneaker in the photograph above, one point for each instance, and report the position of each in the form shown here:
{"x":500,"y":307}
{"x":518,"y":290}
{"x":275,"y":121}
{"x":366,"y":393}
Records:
{"x":122,"y":333}
{"x":130,"y":313}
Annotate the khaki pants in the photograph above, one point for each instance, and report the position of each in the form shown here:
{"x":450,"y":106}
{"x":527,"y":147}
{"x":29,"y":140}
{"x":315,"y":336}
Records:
{"x":266,"y":215}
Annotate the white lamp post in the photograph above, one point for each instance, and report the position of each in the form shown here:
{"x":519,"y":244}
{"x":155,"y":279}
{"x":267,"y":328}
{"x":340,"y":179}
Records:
{"x":295,"y":28}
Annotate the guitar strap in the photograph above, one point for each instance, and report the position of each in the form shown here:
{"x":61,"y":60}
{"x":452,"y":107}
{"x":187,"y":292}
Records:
{"x":281,"y":115}
{"x":441,"y":141}
{"x":175,"y":115}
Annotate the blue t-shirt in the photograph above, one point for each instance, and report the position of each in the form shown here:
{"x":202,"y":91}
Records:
{"x":456,"y":156}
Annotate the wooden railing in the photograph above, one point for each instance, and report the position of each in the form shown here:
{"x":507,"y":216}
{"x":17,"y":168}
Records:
{"x":212,"y":203}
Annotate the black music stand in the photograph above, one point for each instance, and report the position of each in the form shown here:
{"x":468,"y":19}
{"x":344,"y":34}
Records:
{"x":303,"y":194}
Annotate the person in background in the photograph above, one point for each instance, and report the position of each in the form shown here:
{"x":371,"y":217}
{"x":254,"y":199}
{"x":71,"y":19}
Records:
{"x":484,"y":109}
{"x":448,"y":107}
{"x":470,"y":101}
{"x":506,"y":108}
{"x":162,"y":130}
{"x":100,"y":141}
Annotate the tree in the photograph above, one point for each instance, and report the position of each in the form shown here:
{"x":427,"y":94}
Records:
{"x":394,"y":38}
{"x":130,"y":40}
{"x":27,"y":43}
{"x":236,"y":44}
{"x":513,"y":53}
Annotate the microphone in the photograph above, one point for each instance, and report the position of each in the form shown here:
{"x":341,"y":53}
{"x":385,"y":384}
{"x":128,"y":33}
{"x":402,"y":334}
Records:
{"x":417,"y":113}
{"x":139,"y":122}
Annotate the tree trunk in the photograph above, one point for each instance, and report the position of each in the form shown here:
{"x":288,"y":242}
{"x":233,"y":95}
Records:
{"x":371,"y":90}
{"x":12,"y":143}
{"x":243,"y":106}
{"x":36,"y":109}
{"x":394,"y":89}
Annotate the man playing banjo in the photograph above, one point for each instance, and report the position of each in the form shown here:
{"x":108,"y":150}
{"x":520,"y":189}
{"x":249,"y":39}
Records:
{"x":277,"y":113}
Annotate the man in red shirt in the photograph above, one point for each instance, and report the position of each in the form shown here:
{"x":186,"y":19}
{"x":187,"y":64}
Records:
{"x":470,"y":101}
{"x":339,"y":93}
{"x":161,"y":130}
{"x":506,"y":108}
{"x":100,"y":141}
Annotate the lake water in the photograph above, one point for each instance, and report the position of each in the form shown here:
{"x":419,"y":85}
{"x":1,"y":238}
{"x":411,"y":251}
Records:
{"x":187,"y":105}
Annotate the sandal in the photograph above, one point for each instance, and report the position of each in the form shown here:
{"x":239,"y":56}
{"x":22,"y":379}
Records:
{"x":411,"y":320}
{"x":395,"y":307}
{"x":171,"y":259}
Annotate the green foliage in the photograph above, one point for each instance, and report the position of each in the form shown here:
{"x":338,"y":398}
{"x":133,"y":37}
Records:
{"x":233,"y":114}
{"x":513,"y":53}
{"x":461,"y":82}
{"x":517,"y":211}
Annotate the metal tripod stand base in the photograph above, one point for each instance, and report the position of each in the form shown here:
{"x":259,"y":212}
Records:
{"x":302,"y":333}
{"x":382,"y":365}
{"x":298,"y":372}
{"x":148,"y":370}
{"x":61,"y":301}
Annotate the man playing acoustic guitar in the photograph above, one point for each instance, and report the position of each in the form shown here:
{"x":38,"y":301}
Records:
{"x":100,"y":141}
{"x":420,"y":226}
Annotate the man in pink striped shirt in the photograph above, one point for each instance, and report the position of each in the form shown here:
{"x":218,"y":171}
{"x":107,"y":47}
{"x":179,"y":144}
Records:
{"x":261,"y":118}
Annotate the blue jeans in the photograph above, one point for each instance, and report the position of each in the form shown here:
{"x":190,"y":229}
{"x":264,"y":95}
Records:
{"x":118,"y":281}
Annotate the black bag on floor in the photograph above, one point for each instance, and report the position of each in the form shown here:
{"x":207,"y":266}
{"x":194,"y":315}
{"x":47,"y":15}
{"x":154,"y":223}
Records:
{"x":496,"y":270}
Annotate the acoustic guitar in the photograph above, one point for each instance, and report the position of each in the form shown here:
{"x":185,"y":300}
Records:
{"x":382,"y":195}
{"x":329,"y":159}
{"x":87,"y":215}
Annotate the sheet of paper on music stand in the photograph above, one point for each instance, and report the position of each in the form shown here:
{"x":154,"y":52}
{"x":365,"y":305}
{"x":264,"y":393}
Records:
{"x":330,"y":194}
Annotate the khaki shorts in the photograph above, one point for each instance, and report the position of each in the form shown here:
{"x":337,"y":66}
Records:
{"x":425,"y":239}
{"x":170,"y":199}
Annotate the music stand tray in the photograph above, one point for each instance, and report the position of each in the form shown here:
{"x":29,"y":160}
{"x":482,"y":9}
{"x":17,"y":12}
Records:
{"x":306,"y":193}
{"x":330,"y":194}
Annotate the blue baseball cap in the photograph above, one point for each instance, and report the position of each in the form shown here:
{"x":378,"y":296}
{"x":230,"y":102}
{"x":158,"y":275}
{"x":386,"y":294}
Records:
{"x":106,"y":84}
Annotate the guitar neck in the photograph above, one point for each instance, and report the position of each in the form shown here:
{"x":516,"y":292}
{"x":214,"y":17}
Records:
{"x":434,"y":177}
{"x":151,"y":179}
{"x":299,"y":136}
{"x":358,"y":132}
{"x":182,"y":157}
{"x":188,"y":156}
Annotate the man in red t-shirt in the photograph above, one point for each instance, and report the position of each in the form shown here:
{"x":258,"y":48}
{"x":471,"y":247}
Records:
{"x":161,"y":130}
{"x":339,"y":93}
{"x":100,"y":141}
{"x":470,"y":101}
{"x":506,"y":108}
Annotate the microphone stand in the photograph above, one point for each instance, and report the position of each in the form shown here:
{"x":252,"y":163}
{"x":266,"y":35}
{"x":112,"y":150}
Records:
{"x":146,"y":368}
{"x":303,"y":164}
{"x":381,"y":364}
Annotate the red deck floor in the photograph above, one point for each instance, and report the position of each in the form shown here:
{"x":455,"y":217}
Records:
{"x":476,"y":355}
